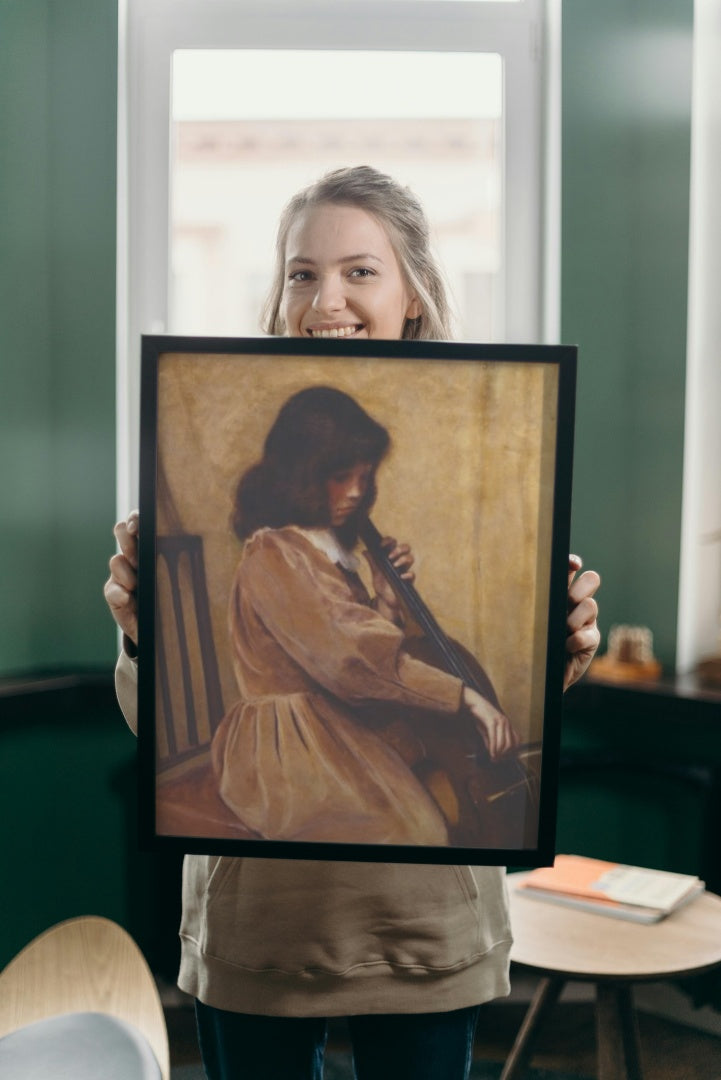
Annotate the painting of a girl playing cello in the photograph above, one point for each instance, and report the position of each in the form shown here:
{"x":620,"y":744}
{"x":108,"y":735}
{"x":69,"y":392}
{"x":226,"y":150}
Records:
{"x":369,"y":702}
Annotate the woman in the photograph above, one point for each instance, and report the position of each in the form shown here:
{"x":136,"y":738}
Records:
{"x":294,"y":758}
{"x":271,"y":948}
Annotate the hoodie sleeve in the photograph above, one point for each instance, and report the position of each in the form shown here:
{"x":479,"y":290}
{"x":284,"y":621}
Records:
{"x":126,"y":689}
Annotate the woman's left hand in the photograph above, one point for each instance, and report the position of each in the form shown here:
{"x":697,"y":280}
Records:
{"x":582,"y":633}
{"x":402,"y":558}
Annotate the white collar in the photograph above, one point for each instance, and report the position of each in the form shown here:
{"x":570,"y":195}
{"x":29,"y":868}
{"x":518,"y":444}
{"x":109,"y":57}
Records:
{"x":327,"y":542}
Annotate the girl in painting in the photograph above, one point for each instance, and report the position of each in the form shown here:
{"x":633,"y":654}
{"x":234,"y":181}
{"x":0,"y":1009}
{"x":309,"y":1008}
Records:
{"x":310,"y":646}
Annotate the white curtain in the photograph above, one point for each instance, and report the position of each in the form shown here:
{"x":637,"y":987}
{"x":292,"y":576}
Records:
{"x":700,"y":586}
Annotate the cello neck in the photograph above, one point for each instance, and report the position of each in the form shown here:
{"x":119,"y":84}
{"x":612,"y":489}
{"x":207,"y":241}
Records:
{"x":423,"y":616}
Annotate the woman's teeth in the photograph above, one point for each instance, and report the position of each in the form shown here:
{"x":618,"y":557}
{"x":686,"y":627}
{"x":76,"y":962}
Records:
{"x":337,"y":331}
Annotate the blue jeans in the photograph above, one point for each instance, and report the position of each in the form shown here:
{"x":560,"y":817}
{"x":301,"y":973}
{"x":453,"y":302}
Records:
{"x":414,"y":1046}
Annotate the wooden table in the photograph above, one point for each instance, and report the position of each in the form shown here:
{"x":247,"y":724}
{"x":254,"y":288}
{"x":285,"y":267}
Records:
{"x":563,"y":944}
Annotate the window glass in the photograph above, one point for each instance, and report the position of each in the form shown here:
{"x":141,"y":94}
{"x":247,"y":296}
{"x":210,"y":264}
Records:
{"x":251,"y":127}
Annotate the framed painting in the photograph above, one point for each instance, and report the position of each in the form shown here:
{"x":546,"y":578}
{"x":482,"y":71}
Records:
{"x":352,"y":597}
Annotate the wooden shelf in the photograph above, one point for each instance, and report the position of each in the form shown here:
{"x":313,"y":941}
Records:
{"x":683,"y":696}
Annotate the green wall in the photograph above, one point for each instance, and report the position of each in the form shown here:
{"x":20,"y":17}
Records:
{"x":626,"y":145}
{"x":58,"y":72}
{"x":67,"y":771}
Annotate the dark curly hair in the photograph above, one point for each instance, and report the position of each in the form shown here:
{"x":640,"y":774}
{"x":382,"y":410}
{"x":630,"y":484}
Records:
{"x":318,"y":432}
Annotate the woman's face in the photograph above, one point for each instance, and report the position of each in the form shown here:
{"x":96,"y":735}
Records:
{"x":346,"y":490}
{"x":342,"y":277}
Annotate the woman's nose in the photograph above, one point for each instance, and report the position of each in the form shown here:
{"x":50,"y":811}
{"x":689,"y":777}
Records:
{"x":329,"y":295}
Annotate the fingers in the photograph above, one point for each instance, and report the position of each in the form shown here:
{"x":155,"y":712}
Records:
{"x":493,"y":725}
{"x":123,"y":607}
{"x":400,"y":556}
{"x":581,"y":629}
{"x":582,"y":634}
{"x":584,"y":642}
{"x":123,"y":572}
{"x":584,"y":613}
{"x":126,"y":534}
{"x":581,"y":649}
{"x":498,"y":734}
{"x":121,"y":587}
{"x":575,"y":562}
{"x":584,"y":586}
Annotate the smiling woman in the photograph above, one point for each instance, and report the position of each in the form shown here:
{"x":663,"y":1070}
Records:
{"x":353,"y":259}
{"x":339,"y":261}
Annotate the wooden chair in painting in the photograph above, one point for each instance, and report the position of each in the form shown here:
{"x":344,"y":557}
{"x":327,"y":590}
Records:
{"x":189,"y":700}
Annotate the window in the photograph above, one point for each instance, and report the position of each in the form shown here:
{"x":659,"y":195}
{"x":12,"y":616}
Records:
{"x":235,"y":161}
{"x":227,"y":107}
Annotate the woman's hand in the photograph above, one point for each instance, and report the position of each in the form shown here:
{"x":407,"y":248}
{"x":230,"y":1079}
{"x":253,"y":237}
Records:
{"x":582,"y":633}
{"x":401,"y":556}
{"x":121,"y":587}
{"x":493,"y":725}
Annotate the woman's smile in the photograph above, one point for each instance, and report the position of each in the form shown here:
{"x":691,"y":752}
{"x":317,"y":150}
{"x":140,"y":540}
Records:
{"x":335,"y":331}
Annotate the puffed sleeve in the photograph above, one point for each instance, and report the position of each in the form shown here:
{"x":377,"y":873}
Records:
{"x":348,"y":648}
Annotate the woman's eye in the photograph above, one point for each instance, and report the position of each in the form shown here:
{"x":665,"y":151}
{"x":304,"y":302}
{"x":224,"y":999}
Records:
{"x":300,"y":276}
{"x":362,"y":272}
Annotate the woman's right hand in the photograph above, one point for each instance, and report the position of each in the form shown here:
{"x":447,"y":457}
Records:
{"x":493,"y":725}
{"x":121,"y":587}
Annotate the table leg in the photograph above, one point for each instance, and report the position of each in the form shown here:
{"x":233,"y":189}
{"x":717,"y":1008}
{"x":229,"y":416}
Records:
{"x":617,"y":1033}
{"x":545,"y":997}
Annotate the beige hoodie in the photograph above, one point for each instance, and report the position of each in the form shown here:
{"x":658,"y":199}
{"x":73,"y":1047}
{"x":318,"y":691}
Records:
{"x":300,"y":938}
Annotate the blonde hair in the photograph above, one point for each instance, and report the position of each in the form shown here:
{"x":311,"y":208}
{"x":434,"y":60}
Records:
{"x":403,"y":217}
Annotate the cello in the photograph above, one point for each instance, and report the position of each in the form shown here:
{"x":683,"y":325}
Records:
{"x":486,"y":802}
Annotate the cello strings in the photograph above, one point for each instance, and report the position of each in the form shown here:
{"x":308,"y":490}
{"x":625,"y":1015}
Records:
{"x":419,"y":610}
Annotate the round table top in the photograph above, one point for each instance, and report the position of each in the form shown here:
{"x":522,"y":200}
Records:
{"x":559,"y":940}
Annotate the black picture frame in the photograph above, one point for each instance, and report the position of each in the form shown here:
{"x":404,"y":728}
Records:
{"x":478,"y":481}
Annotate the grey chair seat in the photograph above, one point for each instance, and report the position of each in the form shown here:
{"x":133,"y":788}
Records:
{"x":78,"y":1046}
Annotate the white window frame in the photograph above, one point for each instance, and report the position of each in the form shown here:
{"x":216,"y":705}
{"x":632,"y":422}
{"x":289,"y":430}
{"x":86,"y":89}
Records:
{"x":699,"y":597}
{"x":526,"y":34}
